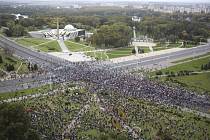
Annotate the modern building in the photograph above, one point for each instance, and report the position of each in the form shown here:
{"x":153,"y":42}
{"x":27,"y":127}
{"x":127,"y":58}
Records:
{"x":69,"y":32}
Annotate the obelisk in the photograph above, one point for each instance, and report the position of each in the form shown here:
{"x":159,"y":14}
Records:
{"x":57,"y":29}
{"x":134,"y":39}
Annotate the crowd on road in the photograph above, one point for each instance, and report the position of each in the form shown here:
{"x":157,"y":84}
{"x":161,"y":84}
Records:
{"x":105,"y":79}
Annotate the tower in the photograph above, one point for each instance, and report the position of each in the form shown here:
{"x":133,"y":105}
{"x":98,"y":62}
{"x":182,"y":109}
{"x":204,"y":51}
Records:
{"x":134,"y":40}
{"x":134,"y":33}
{"x":57,"y":29}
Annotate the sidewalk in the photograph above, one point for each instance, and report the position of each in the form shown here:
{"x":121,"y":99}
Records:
{"x":63,"y":46}
{"x":134,"y":57}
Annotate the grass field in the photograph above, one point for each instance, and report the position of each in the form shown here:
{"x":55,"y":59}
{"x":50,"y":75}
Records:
{"x":7,"y":59}
{"x":97,"y":55}
{"x":40,"y":44}
{"x":49,"y":47}
{"x":199,"y":82}
{"x":31,"y":41}
{"x":76,"y":47}
{"x":31,"y":91}
{"x":162,"y":46}
{"x":194,"y":65}
{"x":121,"y":52}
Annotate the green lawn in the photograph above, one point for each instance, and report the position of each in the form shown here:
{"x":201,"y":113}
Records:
{"x":8,"y":95}
{"x":200,"y":82}
{"x":75,"y":47}
{"x":8,"y":59}
{"x":115,"y":53}
{"x":31,"y":41}
{"x":189,"y":46}
{"x":194,"y":65}
{"x":40,"y":44}
{"x":121,"y":52}
{"x":162,"y":46}
{"x":97,"y":55}
{"x":174,"y":45}
{"x":52,"y":46}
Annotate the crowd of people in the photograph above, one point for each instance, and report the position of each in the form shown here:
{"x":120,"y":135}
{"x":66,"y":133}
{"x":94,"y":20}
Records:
{"x":51,"y":114}
{"x":102,"y":78}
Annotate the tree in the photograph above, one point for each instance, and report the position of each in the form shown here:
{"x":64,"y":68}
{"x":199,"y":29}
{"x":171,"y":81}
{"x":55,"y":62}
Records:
{"x":208,"y":65}
{"x":77,"y":39}
{"x":159,"y":72}
{"x":133,"y":51}
{"x":115,"y":35}
{"x":15,"y":29}
{"x":10,"y":67}
{"x":35,"y":68}
{"x":202,"y":67}
{"x":15,"y":123}
{"x":1,"y":59}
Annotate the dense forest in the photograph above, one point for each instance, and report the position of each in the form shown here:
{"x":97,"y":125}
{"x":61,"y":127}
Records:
{"x":159,"y":26}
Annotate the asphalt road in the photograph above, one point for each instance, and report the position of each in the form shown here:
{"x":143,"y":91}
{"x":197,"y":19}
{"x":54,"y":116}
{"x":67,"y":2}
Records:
{"x":40,"y":58}
{"x":70,"y":73}
{"x":162,"y":59}
{"x":52,"y":63}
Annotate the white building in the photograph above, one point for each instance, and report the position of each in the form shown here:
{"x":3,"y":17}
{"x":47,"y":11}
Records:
{"x":136,"y":19}
{"x":69,"y":32}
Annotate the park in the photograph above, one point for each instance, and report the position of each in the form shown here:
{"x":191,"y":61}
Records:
{"x":104,"y":73}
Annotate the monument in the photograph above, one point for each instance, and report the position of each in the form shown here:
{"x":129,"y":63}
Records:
{"x":141,"y":41}
{"x":58,"y":29}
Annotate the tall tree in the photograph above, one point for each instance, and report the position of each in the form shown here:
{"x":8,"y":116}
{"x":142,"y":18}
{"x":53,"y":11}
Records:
{"x":15,"y":123}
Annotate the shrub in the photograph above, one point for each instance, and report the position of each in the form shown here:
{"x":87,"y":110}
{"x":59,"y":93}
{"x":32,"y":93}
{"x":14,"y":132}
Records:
{"x":159,"y":73}
{"x":10,"y":67}
{"x":1,"y":59}
{"x":77,"y":39}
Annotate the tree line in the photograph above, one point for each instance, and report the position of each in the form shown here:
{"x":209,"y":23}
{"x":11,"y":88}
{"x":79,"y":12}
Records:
{"x":115,"y":35}
{"x":176,"y":27}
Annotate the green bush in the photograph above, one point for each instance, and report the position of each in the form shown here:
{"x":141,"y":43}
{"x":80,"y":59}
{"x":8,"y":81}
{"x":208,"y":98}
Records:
{"x":1,"y":59}
{"x":10,"y":67}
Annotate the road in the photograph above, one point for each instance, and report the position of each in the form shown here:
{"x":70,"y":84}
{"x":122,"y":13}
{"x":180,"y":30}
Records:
{"x":41,"y":58}
{"x":103,"y":78}
{"x":163,"y":59}
{"x":48,"y":61}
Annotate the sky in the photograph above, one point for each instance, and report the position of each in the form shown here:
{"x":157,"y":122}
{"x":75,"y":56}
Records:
{"x":183,"y":1}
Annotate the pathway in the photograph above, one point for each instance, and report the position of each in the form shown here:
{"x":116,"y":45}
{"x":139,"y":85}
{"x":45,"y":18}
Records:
{"x":105,"y":109}
{"x":19,"y":67}
{"x":63,"y":46}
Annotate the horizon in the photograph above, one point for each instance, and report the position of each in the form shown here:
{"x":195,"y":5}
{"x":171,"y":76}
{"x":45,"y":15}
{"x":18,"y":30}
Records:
{"x":165,"y":1}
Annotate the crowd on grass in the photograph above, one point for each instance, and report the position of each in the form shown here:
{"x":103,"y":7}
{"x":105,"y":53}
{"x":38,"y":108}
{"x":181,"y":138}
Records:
{"x":103,"y":78}
{"x":109,"y":113}
{"x":51,"y":115}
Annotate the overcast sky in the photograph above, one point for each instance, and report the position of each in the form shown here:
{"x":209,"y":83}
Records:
{"x":183,"y":1}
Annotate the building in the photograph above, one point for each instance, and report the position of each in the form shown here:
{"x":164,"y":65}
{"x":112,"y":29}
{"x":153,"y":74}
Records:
{"x":69,"y":32}
{"x":136,"y":19}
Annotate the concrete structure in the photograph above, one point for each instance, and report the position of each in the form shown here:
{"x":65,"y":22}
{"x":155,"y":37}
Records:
{"x":142,"y":41}
{"x":69,"y":32}
{"x":136,"y":19}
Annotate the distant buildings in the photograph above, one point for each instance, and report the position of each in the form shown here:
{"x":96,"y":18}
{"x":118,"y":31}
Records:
{"x":196,"y":8}
{"x":19,"y":15}
{"x":136,"y":19}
